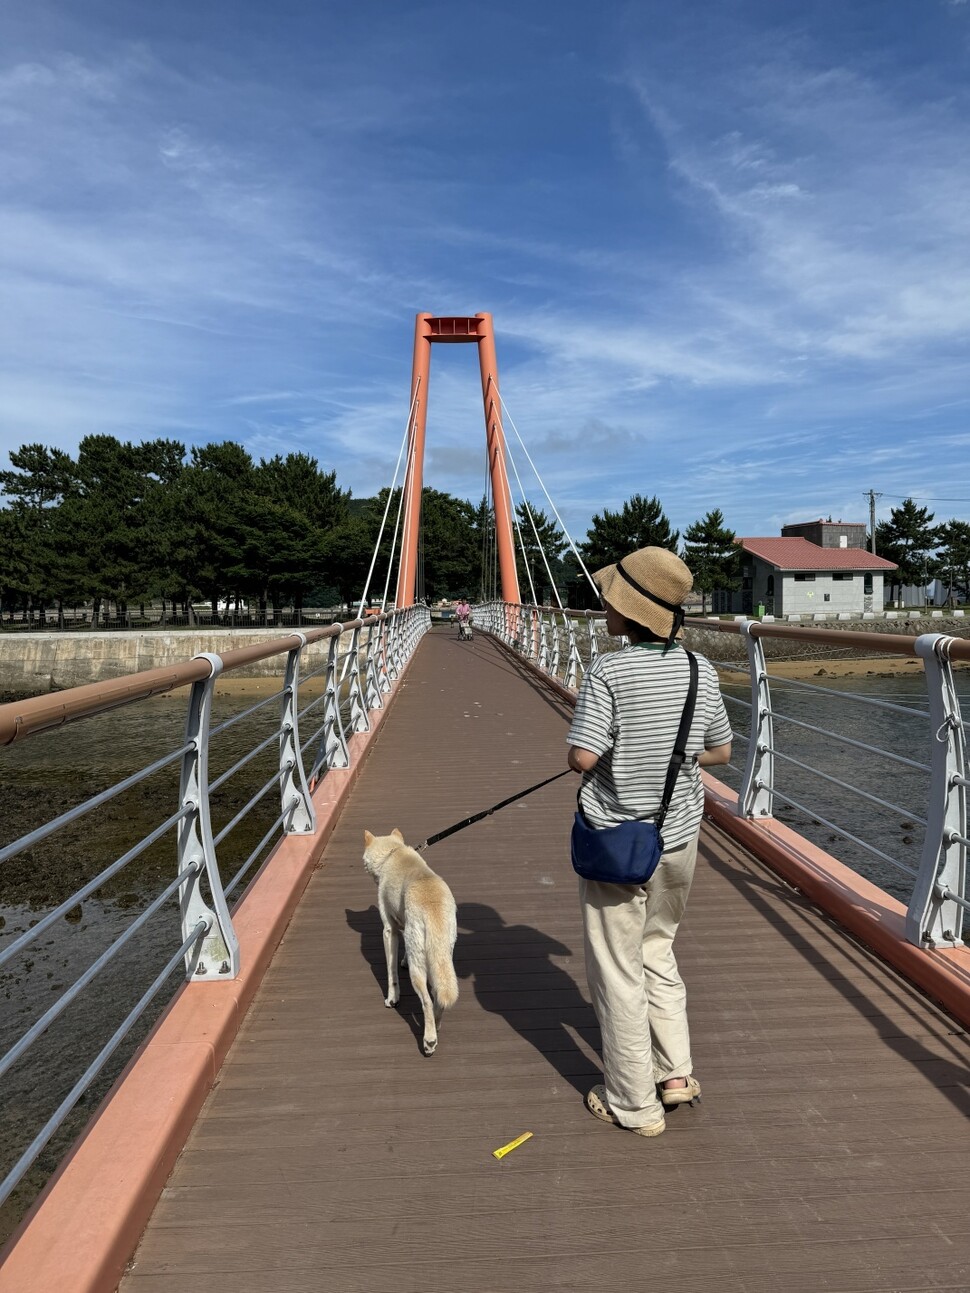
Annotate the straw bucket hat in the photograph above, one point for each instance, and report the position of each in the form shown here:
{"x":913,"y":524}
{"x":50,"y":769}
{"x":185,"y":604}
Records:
{"x":648,"y":587}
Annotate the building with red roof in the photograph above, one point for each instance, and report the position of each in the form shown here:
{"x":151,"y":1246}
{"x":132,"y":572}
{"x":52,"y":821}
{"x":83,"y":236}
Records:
{"x":793,"y":576}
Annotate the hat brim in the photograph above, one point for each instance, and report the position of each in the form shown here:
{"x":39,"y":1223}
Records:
{"x":631,"y":605}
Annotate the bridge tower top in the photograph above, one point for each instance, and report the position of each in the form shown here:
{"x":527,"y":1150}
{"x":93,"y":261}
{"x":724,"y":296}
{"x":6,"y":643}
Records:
{"x":429,"y":328}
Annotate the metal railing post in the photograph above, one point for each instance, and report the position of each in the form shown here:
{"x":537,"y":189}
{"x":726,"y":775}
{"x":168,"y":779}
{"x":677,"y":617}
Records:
{"x":217,"y":954}
{"x":594,"y":649}
{"x":554,"y":667}
{"x":757,"y":784}
{"x":372,"y":687}
{"x":573,"y":663}
{"x":383,"y":651}
{"x":294,"y":793}
{"x":543,"y":660}
{"x":359,"y":722}
{"x":934,"y":916}
{"x":394,"y":646}
{"x":334,"y":742}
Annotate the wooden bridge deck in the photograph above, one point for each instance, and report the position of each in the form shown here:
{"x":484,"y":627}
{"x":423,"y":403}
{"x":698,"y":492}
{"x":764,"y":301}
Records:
{"x":830,"y":1152}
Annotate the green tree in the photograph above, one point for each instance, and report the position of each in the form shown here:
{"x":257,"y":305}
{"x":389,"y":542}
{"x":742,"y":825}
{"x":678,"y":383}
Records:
{"x":220,"y":544}
{"x":908,"y":538}
{"x":712,"y":554}
{"x":36,"y":486}
{"x":952,"y":561}
{"x":640,"y":523}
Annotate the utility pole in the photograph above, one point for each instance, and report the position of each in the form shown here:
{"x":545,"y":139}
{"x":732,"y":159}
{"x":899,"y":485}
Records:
{"x":872,"y":496}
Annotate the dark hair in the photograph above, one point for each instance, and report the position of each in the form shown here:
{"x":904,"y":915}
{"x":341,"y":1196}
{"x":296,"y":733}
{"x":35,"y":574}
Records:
{"x":640,"y":631}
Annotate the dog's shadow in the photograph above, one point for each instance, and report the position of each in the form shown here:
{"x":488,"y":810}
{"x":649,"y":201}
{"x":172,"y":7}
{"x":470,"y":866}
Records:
{"x":512,"y":973}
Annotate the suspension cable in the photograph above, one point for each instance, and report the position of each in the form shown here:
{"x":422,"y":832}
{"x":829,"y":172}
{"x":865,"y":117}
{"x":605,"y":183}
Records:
{"x":546,"y":492}
{"x":380,"y":535}
{"x":486,"y":528}
{"x":542,"y":551}
{"x":390,"y":559}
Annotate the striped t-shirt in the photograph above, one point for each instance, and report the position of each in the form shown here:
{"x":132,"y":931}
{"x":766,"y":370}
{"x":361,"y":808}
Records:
{"x":628,"y":712}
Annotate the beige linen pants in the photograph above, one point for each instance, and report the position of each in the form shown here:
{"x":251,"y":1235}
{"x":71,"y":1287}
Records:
{"x":638,"y":994}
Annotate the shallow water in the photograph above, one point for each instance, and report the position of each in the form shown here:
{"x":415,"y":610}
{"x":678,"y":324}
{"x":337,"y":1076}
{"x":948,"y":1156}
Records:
{"x":898,"y":834}
{"x":47,"y":775}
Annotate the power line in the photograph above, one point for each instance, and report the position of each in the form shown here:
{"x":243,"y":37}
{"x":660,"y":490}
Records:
{"x":918,"y":498}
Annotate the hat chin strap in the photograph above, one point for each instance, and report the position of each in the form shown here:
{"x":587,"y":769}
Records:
{"x":678,"y":612}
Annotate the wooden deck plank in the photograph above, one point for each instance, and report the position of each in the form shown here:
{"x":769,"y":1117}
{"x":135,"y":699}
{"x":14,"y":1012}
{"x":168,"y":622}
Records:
{"x":830,"y":1152}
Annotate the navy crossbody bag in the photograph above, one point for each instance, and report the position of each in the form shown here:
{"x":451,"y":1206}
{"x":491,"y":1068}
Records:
{"x":629,"y":853}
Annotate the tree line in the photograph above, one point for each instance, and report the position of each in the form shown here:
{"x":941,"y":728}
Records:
{"x":123,"y":524}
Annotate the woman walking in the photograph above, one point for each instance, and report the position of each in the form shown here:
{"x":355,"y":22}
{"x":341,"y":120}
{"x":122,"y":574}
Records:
{"x":629,"y":713}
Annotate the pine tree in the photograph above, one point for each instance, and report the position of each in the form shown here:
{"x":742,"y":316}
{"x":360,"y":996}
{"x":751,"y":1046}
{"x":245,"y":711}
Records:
{"x":712,"y":554}
{"x":640,"y":523}
{"x":908,"y":538}
{"x":952,"y":562}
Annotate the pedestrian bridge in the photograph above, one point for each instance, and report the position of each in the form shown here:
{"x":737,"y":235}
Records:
{"x":830,"y":1150}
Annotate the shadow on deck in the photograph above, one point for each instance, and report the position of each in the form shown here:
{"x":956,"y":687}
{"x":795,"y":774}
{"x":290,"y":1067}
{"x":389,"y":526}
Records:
{"x":830,"y":1151}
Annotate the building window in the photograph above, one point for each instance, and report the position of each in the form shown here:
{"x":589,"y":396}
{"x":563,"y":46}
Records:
{"x":841,"y":575}
{"x":867,"y":585}
{"x":826,"y":597}
{"x":804,"y":579}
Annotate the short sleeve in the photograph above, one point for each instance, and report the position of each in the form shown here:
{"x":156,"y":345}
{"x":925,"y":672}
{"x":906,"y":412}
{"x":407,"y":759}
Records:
{"x":718,"y":730}
{"x":592,"y":725}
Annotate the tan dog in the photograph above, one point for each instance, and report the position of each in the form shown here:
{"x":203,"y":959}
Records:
{"x":412,"y":899}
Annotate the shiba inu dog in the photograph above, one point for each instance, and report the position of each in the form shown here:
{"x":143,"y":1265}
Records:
{"x":412,"y":899}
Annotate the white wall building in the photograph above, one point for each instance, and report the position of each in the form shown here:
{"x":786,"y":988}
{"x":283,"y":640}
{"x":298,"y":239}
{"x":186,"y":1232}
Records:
{"x":791,"y":576}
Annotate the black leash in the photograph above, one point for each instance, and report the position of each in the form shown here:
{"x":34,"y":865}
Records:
{"x":460,"y":826}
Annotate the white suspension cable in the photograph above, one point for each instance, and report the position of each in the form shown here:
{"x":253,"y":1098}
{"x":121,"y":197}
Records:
{"x":546,"y":492}
{"x":542,"y":551}
{"x":390,"y":562}
{"x":486,"y":520}
{"x":380,"y":534}
{"x":525,"y":558}
{"x":407,"y":489}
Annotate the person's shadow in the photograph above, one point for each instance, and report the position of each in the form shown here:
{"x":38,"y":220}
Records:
{"x":512,"y":974}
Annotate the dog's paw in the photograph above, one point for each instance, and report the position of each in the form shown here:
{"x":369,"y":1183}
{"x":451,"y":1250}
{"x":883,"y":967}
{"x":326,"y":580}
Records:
{"x":392,"y":1000}
{"x":430,"y":1045}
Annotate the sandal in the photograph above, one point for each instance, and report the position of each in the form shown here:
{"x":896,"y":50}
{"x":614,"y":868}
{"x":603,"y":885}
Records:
{"x":671,"y":1096}
{"x":598,"y":1107}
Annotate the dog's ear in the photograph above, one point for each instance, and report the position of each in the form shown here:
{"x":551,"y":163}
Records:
{"x":368,"y":839}
{"x":397,"y":834}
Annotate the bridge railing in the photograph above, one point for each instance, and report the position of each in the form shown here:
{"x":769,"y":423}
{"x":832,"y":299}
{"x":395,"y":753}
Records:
{"x":562,"y":644}
{"x":354,"y":665}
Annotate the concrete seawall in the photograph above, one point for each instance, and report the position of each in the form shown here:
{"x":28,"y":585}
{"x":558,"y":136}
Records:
{"x":730,"y":646}
{"x":38,"y":662}
{"x":31,"y":663}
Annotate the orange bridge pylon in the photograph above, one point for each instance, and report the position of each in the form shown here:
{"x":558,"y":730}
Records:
{"x":427,"y":329}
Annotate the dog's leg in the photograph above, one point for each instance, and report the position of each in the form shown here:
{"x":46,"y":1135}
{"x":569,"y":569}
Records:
{"x":390,"y":953}
{"x":420,"y":983}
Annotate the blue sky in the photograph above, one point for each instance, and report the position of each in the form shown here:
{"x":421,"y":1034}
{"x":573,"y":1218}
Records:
{"x":725,"y":245}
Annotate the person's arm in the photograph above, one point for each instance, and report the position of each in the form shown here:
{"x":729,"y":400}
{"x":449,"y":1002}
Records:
{"x":717,"y":754}
{"x":581,"y":760}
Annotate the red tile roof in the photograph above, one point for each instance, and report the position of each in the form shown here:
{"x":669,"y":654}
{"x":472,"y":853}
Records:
{"x":799,"y":554}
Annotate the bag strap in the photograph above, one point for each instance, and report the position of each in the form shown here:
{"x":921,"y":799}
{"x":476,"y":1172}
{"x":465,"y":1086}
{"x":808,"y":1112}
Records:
{"x":680,"y":744}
